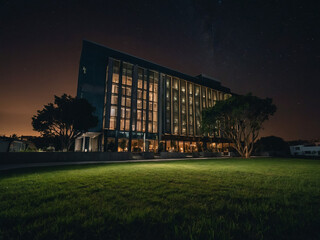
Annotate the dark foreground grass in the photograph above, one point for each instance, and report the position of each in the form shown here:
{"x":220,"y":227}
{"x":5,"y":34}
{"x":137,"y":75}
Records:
{"x":199,"y":199}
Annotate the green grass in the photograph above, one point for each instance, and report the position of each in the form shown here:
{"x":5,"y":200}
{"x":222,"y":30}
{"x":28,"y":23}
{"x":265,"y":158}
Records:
{"x":198,"y":199}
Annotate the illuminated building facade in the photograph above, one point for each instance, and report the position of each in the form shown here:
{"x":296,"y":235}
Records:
{"x":142,"y":106}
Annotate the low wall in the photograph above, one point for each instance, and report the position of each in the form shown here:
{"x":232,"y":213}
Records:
{"x":143,"y":155}
{"x":172,"y":155}
{"x":210,"y":154}
{"x":38,"y":157}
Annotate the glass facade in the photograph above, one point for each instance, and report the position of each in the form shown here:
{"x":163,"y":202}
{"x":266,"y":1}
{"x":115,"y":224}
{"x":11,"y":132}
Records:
{"x":141,"y":100}
{"x":146,"y":109}
{"x":197,"y":109}
{"x":126,"y":90}
{"x":114,"y":95}
{"x":168,"y":104}
{"x":153,"y":102}
{"x":182,"y":108}
{"x":175,"y":106}
{"x":190,"y":109}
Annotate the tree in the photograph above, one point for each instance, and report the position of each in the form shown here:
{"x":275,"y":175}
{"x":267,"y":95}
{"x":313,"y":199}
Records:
{"x":14,"y":136}
{"x":238,"y":119}
{"x":67,"y":118}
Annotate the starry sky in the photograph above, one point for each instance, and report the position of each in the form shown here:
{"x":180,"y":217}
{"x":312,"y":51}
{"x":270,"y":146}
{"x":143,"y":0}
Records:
{"x":270,"y":48}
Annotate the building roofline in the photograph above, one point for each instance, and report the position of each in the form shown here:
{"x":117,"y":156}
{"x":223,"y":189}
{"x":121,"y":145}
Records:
{"x":213,"y":83}
{"x":208,"y":77}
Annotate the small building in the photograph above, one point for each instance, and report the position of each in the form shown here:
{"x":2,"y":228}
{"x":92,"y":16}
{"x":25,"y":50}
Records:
{"x":12,"y":145}
{"x":305,"y":150}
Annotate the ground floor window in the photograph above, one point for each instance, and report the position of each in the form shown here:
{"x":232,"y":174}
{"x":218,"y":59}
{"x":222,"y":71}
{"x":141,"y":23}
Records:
{"x":181,"y":146}
{"x":194,"y":146}
{"x":137,"y":142}
{"x":153,"y":145}
{"x":123,"y":145}
{"x":137,"y":145}
{"x":212,"y":147}
{"x":111,"y":144}
{"x":187,"y":147}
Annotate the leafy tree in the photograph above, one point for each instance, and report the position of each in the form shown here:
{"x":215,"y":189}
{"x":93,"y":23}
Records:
{"x":238,"y":119}
{"x":67,"y":118}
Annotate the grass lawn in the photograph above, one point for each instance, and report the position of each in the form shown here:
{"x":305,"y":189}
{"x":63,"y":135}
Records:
{"x":196,"y":199}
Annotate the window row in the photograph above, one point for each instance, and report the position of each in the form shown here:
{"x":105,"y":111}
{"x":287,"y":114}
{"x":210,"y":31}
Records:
{"x":184,"y":102}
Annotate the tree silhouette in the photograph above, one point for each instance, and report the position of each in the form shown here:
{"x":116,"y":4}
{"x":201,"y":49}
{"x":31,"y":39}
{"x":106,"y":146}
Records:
{"x":66,"y":118}
{"x":239,"y":119}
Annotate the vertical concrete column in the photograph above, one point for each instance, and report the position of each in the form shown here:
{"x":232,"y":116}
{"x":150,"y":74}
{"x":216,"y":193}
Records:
{"x":133,"y":116}
{"x":107,"y":104}
{"x":161,"y":109}
{"x":194,"y":109}
{"x":147,"y":114}
{"x":119,"y":107}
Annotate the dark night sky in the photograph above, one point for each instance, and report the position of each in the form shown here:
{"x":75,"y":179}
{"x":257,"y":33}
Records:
{"x":269,"y":48}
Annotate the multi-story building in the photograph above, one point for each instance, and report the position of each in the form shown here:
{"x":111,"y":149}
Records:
{"x":142,"y":106}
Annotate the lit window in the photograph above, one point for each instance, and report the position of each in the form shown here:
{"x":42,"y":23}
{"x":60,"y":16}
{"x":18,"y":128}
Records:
{"x":139,"y":94}
{"x":122,"y":112}
{"x":115,"y":78}
{"x":121,"y":124}
{"x":129,"y":81}
{"x":155,"y":116}
{"x":128,"y":102}
{"x":155,"y":127}
{"x":124,"y":80}
{"x":139,"y":114}
{"x":113,"y":111}
{"x":151,"y":87}
{"x":114,"y":88}
{"x":114,"y":99}
{"x":128,"y":91}
{"x":127,"y":113}
{"x":139,"y":104}
{"x":127,"y":125}
{"x":112,"y":123}
{"x":139,"y":126}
